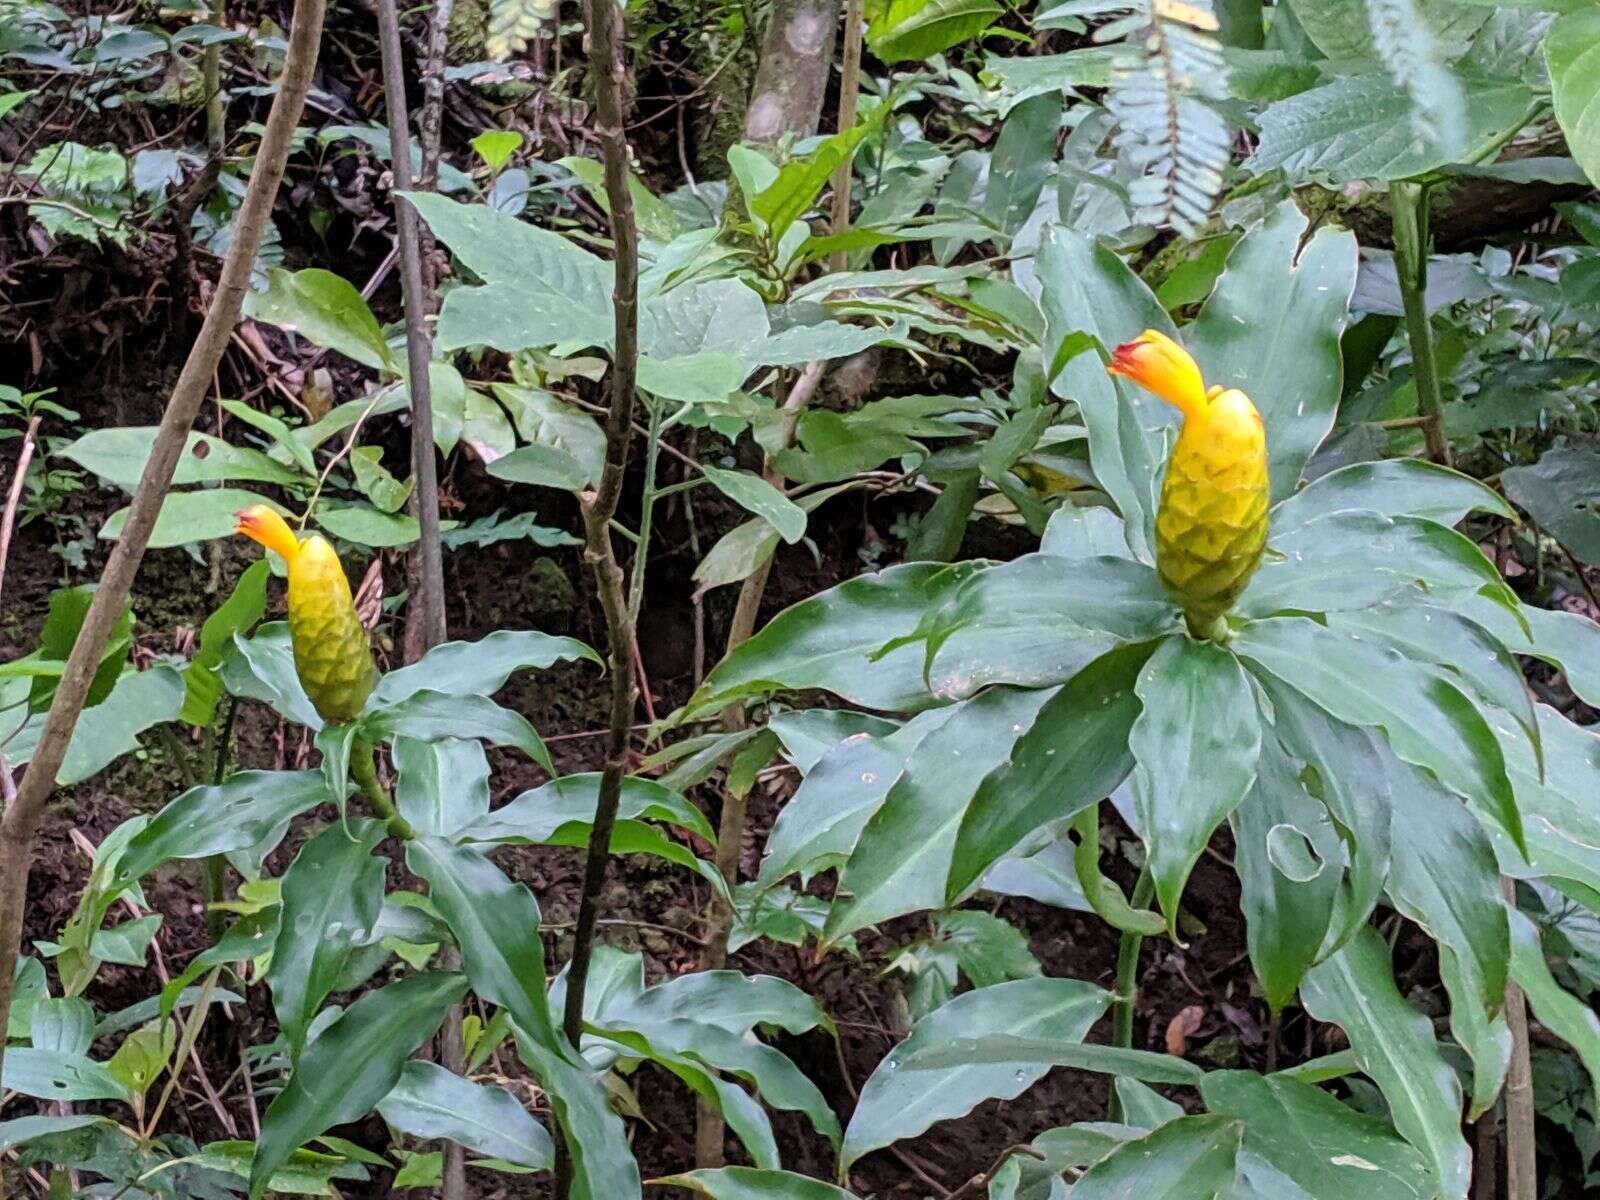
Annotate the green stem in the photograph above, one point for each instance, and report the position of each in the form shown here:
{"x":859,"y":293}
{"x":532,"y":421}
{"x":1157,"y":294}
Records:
{"x":364,"y":770}
{"x":1127,"y":988}
{"x":647,"y":506}
{"x":1409,"y":203}
{"x":214,"y":876}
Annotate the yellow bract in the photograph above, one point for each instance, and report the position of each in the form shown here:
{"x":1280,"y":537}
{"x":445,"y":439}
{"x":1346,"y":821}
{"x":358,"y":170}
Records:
{"x":331,"y":653}
{"x":1211,"y":527}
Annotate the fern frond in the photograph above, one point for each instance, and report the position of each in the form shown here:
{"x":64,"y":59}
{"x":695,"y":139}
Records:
{"x":1405,"y":43}
{"x":1162,"y":80}
{"x":512,"y":23}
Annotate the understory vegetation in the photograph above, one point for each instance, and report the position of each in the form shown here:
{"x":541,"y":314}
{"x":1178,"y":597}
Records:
{"x":800,"y":599}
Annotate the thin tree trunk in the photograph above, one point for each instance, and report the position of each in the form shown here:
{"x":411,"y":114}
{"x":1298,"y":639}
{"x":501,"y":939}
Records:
{"x":21,"y":820}
{"x":1522,"y":1176}
{"x":792,"y":76}
{"x":609,"y":70}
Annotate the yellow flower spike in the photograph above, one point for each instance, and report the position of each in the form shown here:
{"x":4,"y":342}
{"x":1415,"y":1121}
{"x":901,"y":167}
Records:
{"x":1211,"y":527}
{"x":331,"y":653}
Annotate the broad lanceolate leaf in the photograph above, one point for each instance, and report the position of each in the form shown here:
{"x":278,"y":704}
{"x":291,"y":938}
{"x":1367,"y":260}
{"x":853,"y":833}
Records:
{"x":352,"y":1065}
{"x":1271,"y":329}
{"x":1557,"y":1009}
{"x":1395,"y":1046}
{"x":1445,"y":878}
{"x":1572,"y":50}
{"x":324,"y":308}
{"x":752,"y":1183}
{"x":496,"y":922}
{"x":1040,"y":619}
{"x":539,"y":813}
{"x":1346,"y":775}
{"x":1191,"y":1158}
{"x":233,"y":815}
{"x":755,"y":494}
{"x":1327,"y":1149}
{"x":902,"y":861}
{"x":440,"y":786}
{"x":431,"y":1102}
{"x":239,"y":612}
{"x":901,"y":1100}
{"x":1562,"y":825}
{"x":118,"y":455}
{"x":429,"y":715}
{"x":1089,"y":289}
{"x":829,"y":640}
{"x":1429,"y":721}
{"x":819,"y":826}
{"x":1288,"y":902}
{"x":1073,"y":755}
{"x":479,"y":668}
{"x":261,"y":667}
{"x":55,"y":1075}
{"x":1392,"y":487}
{"x":911,"y":29}
{"x":1195,"y":746}
{"x":332,"y":893}
{"x":1359,"y":127}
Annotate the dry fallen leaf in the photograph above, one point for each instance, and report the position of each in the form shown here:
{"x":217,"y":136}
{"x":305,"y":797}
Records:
{"x":1182,"y":1027}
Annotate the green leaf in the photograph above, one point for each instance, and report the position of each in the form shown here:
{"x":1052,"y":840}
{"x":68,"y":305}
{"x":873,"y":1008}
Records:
{"x":1429,"y":721}
{"x":440,"y":786}
{"x":1395,"y":1046}
{"x":1572,"y":51}
{"x":62,"y":1024}
{"x":538,"y":814}
{"x":216,"y":819}
{"x":494,"y":921}
{"x":331,"y":896}
{"x":939,"y":533}
{"x":20,"y":1131}
{"x":495,"y":147}
{"x":751,"y":1183}
{"x":755,"y":494}
{"x":431,"y":1102}
{"x":913,"y":29}
{"x":1040,"y":619}
{"x":1445,"y":878}
{"x":1561,"y":492}
{"x":1327,"y":1149}
{"x":1195,"y":746}
{"x":429,"y":715}
{"x":118,"y":455}
{"x":1392,"y":487}
{"x":902,"y":1099}
{"x":386,"y":492}
{"x":198,"y":516}
{"x":1073,"y":754}
{"x":1286,"y":915}
{"x":237,"y":614}
{"x":352,"y":1065}
{"x":53,"y":1075}
{"x":111,"y":728}
{"x":800,"y":181}
{"x":1246,"y":338}
{"x":306,"y":1173}
{"x":1353,"y":560}
{"x":479,"y":668}
{"x":324,"y":308}
{"x":1089,"y":289}
{"x":143,"y":1055}
{"x":822,"y":821}
{"x":828,"y":641}
{"x":365,"y":525}
{"x":1190,"y":1158}
{"x":901,"y":862}
{"x":1569,"y":1018}
{"x":262,"y":668}
{"x":1022,"y":159}
{"x":1563,"y":827}
{"x":1359,"y":127}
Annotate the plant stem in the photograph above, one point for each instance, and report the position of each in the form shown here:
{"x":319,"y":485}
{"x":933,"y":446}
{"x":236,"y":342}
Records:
{"x":1522,"y":1177}
{"x":849,"y":96}
{"x":364,"y":770}
{"x":1127,"y":986}
{"x":1408,"y":201}
{"x":14,"y":495}
{"x":608,"y":70}
{"x":21,"y":819}
{"x":647,"y":506}
{"x":214,"y":876}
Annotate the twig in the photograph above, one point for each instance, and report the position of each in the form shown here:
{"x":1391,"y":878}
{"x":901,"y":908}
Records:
{"x":14,"y":496}
{"x":1522,"y":1178}
{"x":21,"y":819}
{"x":609,"y":71}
